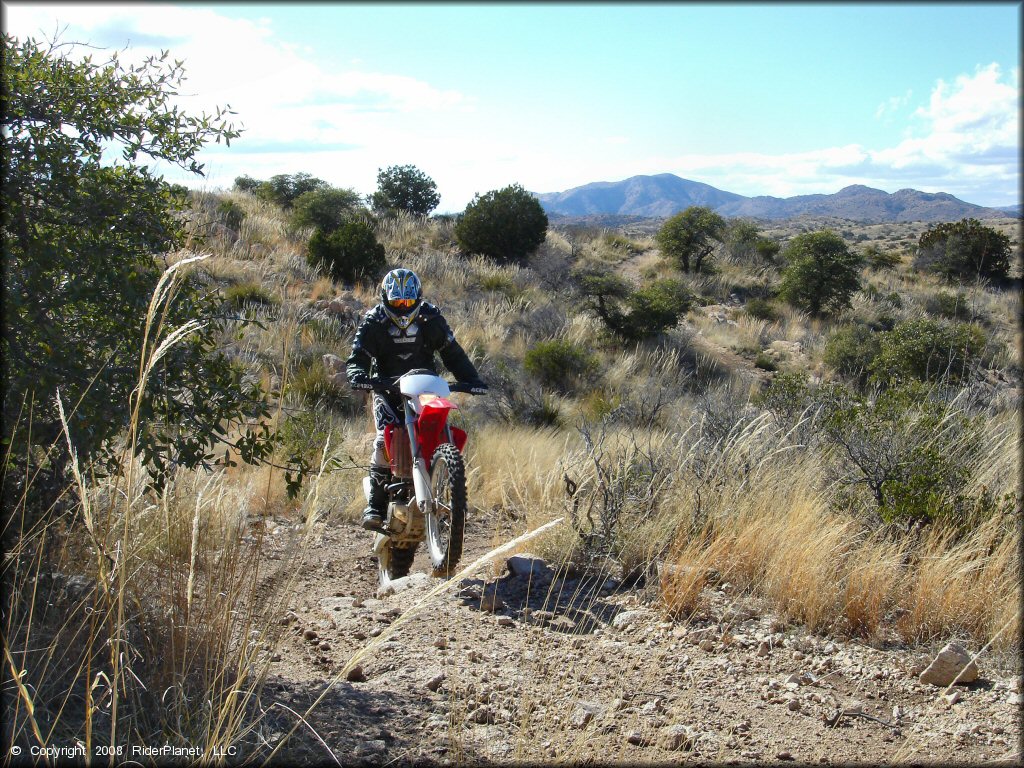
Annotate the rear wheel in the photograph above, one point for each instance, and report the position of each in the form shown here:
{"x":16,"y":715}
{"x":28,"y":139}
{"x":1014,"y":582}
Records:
{"x":447,"y":522}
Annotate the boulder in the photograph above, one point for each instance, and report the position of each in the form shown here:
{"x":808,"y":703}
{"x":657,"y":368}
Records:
{"x":677,"y":737}
{"x":527,"y":566}
{"x":952,"y":665}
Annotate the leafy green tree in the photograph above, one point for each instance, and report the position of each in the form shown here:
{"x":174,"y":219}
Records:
{"x":405,"y":188}
{"x":964,"y":249}
{"x":821,"y":273}
{"x":83,"y":241}
{"x":326,"y":208}
{"x":247,"y":184}
{"x":691,"y":236}
{"x":349,"y":253}
{"x":506,"y":225}
{"x":767,"y":249}
{"x":741,"y":238}
{"x":927,"y":350}
{"x":285,"y":188}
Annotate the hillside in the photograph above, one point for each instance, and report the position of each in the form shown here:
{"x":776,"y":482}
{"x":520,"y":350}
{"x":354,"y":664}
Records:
{"x":666,"y":194}
{"x":721,"y":585}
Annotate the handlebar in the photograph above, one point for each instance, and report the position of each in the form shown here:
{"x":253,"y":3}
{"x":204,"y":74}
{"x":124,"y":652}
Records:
{"x":390,"y":387}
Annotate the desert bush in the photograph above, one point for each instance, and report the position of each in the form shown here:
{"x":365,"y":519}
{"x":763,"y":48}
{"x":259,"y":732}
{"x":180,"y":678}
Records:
{"x":787,"y":396}
{"x":240,"y":295}
{"x":821,"y":273}
{"x":966,"y":249}
{"x":325,"y":209}
{"x":231,"y":213}
{"x":560,"y":363}
{"x":949,"y":305}
{"x":878,"y":260}
{"x":765,"y":362}
{"x":908,"y":446}
{"x":349,"y":253}
{"x":314,"y":387}
{"x":691,"y":236}
{"x":928,"y":350}
{"x":506,"y":225}
{"x":763,"y":309}
{"x":633,"y":314}
{"x":851,"y":349}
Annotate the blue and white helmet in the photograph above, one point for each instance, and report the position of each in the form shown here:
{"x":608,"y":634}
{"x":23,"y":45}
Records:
{"x":401,"y":295}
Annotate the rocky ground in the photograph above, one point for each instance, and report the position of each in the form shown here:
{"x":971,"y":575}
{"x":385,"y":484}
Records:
{"x":510,"y":666}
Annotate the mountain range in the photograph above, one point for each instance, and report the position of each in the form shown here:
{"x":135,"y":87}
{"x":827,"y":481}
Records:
{"x":665,"y":194}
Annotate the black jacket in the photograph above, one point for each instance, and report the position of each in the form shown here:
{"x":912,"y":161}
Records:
{"x":381,"y":348}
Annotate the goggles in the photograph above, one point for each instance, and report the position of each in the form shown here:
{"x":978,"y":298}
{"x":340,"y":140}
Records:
{"x":401,"y":303}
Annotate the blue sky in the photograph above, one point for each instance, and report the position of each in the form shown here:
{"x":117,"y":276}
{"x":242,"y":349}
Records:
{"x":752,"y":98}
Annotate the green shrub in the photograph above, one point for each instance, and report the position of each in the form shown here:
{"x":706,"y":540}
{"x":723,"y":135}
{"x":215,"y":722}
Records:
{"x":787,"y":396}
{"x":927,"y":350}
{"x":559,"y":363}
{"x":762,"y":309}
{"x":908,"y":448}
{"x":617,"y":242}
{"x":284,"y":188}
{"x":314,"y":387}
{"x":851,"y":349}
{"x":241,"y":295}
{"x":949,"y":305}
{"x":231,"y":214}
{"x":633,"y":314}
{"x":505,"y":224}
{"x":347,"y":254}
{"x":966,"y":249}
{"x":325,"y":209}
{"x":821,"y":274}
{"x":878,"y":260}
{"x":764,"y":362}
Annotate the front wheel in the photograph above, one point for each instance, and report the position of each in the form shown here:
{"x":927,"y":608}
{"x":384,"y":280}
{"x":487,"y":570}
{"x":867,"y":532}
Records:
{"x":394,"y":562}
{"x":447,"y":521}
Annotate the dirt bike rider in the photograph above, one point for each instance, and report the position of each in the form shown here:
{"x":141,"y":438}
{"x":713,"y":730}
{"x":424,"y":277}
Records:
{"x":398,"y":335}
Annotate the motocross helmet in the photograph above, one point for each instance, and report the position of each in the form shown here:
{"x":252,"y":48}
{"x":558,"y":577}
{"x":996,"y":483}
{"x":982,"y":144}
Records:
{"x":401,"y":296}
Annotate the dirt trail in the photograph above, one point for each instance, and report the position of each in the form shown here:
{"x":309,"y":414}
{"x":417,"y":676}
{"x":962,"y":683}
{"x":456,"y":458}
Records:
{"x":500,"y":668}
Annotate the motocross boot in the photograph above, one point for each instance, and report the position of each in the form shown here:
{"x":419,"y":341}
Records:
{"x":374,"y":514}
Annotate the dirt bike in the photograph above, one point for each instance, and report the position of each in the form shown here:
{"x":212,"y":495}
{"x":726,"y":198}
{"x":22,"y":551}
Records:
{"x":427,"y":493}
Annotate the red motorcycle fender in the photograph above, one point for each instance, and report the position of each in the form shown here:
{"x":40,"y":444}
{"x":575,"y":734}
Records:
{"x":430,"y":426}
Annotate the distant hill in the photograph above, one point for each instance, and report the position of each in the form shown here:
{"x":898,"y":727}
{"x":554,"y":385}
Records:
{"x":666,"y":194}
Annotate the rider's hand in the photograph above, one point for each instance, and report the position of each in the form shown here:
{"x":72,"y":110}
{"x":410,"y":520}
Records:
{"x":360,"y":381}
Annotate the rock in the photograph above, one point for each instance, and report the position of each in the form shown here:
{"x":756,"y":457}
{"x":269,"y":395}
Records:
{"x":441,"y":642}
{"x":624,"y":619}
{"x":793,"y":705}
{"x":706,"y":645}
{"x":325,"y":646}
{"x":373,"y":747}
{"x":506,"y":621}
{"x":584,"y":713}
{"x":275,"y":657}
{"x":677,"y":737}
{"x":288,"y":618}
{"x":764,"y":648}
{"x":435,"y":682}
{"x":481,"y":715}
{"x":784,"y":756}
{"x":637,"y":739}
{"x":527,"y":566}
{"x":310,"y":635}
{"x":952,"y":665}
{"x":395,"y":586}
{"x":951,"y":698}
{"x":538,"y":618}
{"x":333,"y":364}
{"x":490,"y":602}
{"x":562,"y":624}
{"x":356,"y":675}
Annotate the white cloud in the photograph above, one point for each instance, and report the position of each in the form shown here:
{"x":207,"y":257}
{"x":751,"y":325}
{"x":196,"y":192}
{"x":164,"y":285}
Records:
{"x":965,"y":141}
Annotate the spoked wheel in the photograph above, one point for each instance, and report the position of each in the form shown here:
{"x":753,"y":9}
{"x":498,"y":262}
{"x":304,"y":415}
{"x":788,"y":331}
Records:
{"x":445,"y":525}
{"x":394,"y":562}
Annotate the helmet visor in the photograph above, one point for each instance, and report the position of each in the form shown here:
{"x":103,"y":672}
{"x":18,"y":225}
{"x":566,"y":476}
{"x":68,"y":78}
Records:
{"x":401,"y":303}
